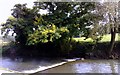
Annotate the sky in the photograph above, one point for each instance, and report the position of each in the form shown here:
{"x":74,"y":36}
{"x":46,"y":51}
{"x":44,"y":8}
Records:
{"x":7,"y":5}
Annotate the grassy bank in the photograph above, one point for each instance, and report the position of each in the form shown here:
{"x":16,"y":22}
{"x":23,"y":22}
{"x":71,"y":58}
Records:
{"x":2,"y":43}
{"x":106,"y":38}
{"x":100,"y":50}
{"x":75,"y":48}
{"x":0,"y":47}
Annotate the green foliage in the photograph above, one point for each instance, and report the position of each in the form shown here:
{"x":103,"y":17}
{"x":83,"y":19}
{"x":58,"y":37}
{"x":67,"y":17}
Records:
{"x":47,"y":33}
{"x":63,"y":21}
{"x":21,"y":23}
{"x":75,"y":16}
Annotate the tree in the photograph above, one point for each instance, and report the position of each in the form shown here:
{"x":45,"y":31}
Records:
{"x":21,"y":22}
{"x":112,"y":10}
{"x":110,"y":21}
{"x":63,"y":21}
{"x":114,"y":25}
{"x":76,"y":17}
{"x":73,"y":15}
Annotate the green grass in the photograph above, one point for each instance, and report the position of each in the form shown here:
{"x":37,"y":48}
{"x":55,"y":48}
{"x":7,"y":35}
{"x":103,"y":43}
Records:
{"x":0,"y":47}
{"x":2,"y":43}
{"x":106,"y":38}
{"x":118,"y":37}
{"x":82,"y":39}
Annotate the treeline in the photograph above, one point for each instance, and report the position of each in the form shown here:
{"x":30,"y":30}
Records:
{"x":51,"y":34}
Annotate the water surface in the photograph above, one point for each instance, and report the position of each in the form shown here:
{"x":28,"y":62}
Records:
{"x":79,"y":66}
{"x":87,"y":66}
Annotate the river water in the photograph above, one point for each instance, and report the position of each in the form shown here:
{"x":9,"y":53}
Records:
{"x":87,"y":66}
{"x":22,"y":65}
{"x":79,"y":66}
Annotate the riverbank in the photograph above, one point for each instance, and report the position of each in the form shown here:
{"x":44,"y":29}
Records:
{"x":77,"y":48}
{"x":80,"y":50}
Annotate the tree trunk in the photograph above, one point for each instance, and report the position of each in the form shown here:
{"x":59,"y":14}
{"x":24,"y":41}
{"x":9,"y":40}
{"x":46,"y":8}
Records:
{"x":112,"y":42}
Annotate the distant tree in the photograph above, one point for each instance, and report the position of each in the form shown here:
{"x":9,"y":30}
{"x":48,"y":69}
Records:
{"x":110,"y":21}
{"x":114,"y":23}
{"x":111,"y":9}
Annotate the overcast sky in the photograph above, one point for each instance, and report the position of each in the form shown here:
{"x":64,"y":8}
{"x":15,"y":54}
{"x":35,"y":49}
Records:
{"x":7,"y":5}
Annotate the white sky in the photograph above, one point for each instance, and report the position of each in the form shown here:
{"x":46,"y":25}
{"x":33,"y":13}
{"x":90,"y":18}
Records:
{"x":7,"y":5}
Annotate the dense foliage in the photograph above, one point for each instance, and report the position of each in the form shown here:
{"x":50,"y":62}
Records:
{"x":64,"y":20}
{"x":55,"y":29}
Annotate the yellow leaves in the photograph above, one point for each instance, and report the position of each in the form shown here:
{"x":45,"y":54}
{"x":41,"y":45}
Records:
{"x":64,"y":29}
{"x":11,"y":18}
{"x":51,"y":31}
{"x":46,"y":33}
{"x":38,"y":20}
{"x":76,"y":25}
{"x":53,"y":27}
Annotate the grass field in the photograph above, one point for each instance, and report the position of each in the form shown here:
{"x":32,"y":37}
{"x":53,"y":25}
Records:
{"x":106,"y":38}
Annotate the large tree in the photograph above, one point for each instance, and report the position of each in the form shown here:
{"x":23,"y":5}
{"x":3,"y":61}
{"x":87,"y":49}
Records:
{"x":76,"y":16}
{"x":63,"y":21}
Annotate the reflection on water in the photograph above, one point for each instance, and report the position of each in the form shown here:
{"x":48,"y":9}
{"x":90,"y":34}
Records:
{"x":97,"y":67}
{"x":79,"y":66}
{"x":18,"y":65}
{"x":87,"y":66}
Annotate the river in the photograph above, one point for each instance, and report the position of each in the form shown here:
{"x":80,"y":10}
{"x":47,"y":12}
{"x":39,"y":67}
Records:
{"x":79,"y":66}
{"x":87,"y":66}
